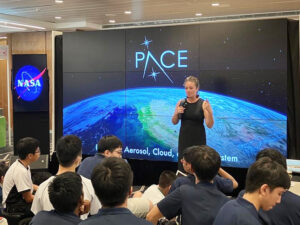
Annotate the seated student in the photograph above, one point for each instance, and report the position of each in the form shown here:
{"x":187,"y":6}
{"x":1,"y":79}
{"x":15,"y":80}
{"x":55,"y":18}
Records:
{"x":40,"y":177}
{"x":199,"y":203}
{"x":156,"y":193}
{"x":68,"y":151}
{"x":266,"y":181}
{"x":111,"y":146}
{"x":66,"y":196}
{"x":17,"y":185}
{"x":3,"y":170}
{"x":225,"y":183}
{"x":112,"y":181}
{"x":287,"y":212}
{"x":108,"y":146}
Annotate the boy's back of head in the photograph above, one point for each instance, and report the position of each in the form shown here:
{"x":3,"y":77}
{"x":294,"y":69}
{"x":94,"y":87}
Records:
{"x":65,"y":192}
{"x":266,"y":171}
{"x":68,"y":148}
{"x":188,"y":153}
{"x":40,"y":177}
{"x":273,"y":154}
{"x":205,"y":162}
{"x":26,"y":146}
{"x":166,"y":178}
{"x":112,"y":181}
{"x":109,"y":142}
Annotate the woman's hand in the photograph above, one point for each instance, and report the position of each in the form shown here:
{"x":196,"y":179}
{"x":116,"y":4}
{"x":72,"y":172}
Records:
{"x":178,"y":109}
{"x":207,"y":106}
{"x":208,"y":114}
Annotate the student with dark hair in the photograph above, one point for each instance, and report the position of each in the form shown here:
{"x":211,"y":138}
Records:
{"x":17,"y":185}
{"x":66,"y":196}
{"x":68,"y":151}
{"x":273,"y":154}
{"x":112,"y":181}
{"x":156,"y":193}
{"x":266,"y":181}
{"x":225,"y":183}
{"x":166,"y":179}
{"x":108,"y":146}
{"x":3,"y":170}
{"x":40,"y":177}
{"x":287,"y":212}
{"x":199,"y":203}
{"x":111,"y":146}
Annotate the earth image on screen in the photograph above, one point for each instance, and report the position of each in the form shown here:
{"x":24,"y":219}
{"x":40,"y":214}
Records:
{"x":141,"y":118}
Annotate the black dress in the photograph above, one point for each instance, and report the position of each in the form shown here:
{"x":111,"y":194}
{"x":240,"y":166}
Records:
{"x":192,"y":131}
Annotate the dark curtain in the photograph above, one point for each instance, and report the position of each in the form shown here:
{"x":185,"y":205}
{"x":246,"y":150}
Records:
{"x":58,"y":88}
{"x":293,"y":91}
{"x":53,"y":164}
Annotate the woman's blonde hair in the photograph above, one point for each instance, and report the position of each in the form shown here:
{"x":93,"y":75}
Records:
{"x":192,"y":79}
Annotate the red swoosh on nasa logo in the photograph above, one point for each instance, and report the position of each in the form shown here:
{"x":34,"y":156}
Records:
{"x":40,"y":75}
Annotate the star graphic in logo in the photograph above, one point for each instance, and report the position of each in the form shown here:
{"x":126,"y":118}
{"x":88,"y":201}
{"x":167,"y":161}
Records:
{"x":146,"y":42}
{"x":154,"y":74}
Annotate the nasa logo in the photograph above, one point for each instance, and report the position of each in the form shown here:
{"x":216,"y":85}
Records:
{"x":29,"y":83}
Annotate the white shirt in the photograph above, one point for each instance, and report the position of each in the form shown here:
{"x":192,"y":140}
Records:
{"x":17,"y":175}
{"x":41,"y":199}
{"x":153,"y":194}
{"x":138,"y":206}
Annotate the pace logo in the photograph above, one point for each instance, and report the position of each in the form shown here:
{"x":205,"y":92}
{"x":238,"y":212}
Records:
{"x":179,"y":59}
{"x":29,"y":83}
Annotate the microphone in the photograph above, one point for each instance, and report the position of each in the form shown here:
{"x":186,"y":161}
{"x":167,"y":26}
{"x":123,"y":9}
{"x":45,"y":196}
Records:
{"x":183,"y":103}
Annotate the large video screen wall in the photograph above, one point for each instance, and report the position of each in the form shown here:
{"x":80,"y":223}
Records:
{"x":127,"y":83}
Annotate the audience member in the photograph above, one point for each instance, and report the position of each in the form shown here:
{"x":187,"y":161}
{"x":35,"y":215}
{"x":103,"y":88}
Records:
{"x":155,"y":193}
{"x":66,"y":196}
{"x":17,"y":185}
{"x":68,"y":151}
{"x":112,"y":181}
{"x":199,"y":203}
{"x":108,"y":146}
{"x":40,"y":177}
{"x":287,"y":212}
{"x":266,"y":181}
{"x":225,"y":183}
{"x":3,"y":170}
{"x":111,"y":146}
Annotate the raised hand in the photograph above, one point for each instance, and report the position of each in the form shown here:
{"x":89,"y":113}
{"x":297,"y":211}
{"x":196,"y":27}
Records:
{"x":207,"y":106}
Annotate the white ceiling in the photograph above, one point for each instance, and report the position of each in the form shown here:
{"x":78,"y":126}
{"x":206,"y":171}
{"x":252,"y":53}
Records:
{"x":95,"y":14}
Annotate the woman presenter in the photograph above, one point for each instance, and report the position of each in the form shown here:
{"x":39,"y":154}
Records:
{"x":192,"y":111}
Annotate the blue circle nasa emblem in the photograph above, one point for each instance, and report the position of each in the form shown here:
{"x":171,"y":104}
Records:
{"x":29,"y":83}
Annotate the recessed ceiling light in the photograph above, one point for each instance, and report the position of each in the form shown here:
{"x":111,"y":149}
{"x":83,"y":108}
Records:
{"x":59,"y":1}
{"x":215,"y":4}
{"x":111,"y":21}
{"x":198,"y":14}
{"x":127,"y":12}
{"x":57,"y":17}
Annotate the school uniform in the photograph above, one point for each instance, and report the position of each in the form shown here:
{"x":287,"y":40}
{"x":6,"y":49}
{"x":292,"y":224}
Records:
{"x":42,"y":202}
{"x":238,"y":212}
{"x":198,"y":204}
{"x":114,"y":216}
